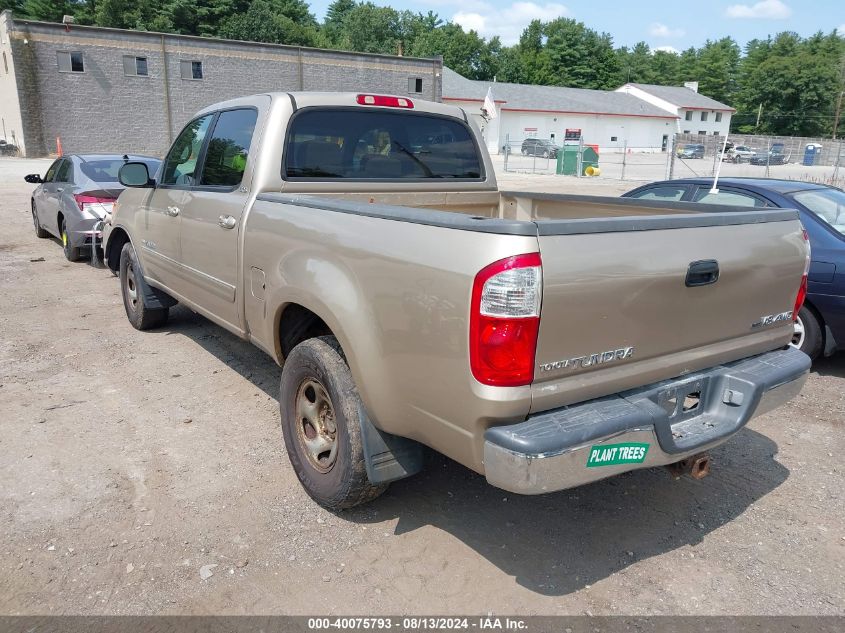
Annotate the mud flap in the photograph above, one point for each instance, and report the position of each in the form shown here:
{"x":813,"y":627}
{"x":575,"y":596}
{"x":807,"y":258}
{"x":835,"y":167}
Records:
{"x":153,"y":298}
{"x":388,"y":457}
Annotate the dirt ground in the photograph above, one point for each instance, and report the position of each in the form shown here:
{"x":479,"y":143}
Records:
{"x":131,"y":463}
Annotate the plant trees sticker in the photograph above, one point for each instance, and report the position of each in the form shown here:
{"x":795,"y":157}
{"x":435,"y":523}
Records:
{"x":615,"y":454}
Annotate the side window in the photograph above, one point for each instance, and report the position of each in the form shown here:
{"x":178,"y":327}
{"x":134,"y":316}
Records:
{"x":48,"y":177}
{"x":661,"y":193}
{"x":181,"y":160}
{"x":228,"y":149}
{"x":733,"y":198}
{"x":65,"y":172}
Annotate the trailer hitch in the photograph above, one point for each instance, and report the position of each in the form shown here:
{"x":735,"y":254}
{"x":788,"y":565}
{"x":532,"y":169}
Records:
{"x":696,"y":466}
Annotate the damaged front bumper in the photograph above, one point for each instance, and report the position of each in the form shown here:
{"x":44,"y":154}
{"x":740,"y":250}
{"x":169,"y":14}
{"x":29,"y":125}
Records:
{"x":654,"y":425}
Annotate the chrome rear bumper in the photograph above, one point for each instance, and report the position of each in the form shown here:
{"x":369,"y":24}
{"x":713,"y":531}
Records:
{"x":641,"y":428}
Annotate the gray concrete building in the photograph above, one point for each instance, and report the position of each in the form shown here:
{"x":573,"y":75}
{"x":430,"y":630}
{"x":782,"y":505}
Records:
{"x":116,"y":90}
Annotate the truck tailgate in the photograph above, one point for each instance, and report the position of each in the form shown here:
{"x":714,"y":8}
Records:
{"x":628,"y":302}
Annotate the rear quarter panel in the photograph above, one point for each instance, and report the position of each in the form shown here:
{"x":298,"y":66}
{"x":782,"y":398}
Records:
{"x":397,"y":296}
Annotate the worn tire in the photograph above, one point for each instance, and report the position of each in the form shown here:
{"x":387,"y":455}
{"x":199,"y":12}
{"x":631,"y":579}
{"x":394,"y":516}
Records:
{"x":72,"y":253}
{"x":39,"y":232}
{"x":345,"y":484}
{"x":813,"y":343}
{"x":140,"y":316}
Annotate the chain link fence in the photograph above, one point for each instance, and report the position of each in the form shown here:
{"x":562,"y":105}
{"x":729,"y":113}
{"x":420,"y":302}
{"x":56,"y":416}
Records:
{"x":691,"y":155}
{"x":790,"y":158}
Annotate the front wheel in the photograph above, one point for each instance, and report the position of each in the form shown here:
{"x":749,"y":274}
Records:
{"x":319,"y":407}
{"x":808,"y":333}
{"x":131,"y":283}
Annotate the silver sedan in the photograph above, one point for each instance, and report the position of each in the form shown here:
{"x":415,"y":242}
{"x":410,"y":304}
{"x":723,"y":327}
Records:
{"x":75,"y":195}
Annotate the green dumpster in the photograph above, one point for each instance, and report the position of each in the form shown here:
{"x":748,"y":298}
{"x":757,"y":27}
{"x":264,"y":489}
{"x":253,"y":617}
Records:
{"x":589,"y":158}
{"x":567,"y":160}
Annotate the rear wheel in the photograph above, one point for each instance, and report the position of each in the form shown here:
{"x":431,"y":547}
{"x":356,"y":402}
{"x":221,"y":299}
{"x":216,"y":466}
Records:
{"x":808,"y":333}
{"x":140,"y":316}
{"x":319,"y":407}
{"x":39,"y":232}
{"x":71,"y":252}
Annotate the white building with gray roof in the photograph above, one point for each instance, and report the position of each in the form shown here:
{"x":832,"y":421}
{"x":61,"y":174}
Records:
{"x":697,"y":113}
{"x":612,"y":120}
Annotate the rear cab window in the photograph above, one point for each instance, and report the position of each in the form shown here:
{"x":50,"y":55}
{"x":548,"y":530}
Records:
{"x":228,"y":148}
{"x":375,"y":144}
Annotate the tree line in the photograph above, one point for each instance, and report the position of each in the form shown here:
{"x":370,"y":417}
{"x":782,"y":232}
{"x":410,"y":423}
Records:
{"x":784,"y":84}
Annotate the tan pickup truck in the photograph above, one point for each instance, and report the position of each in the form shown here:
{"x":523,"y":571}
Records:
{"x":544,"y":341}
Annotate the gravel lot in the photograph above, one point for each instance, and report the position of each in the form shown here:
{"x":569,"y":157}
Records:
{"x":132,"y":465}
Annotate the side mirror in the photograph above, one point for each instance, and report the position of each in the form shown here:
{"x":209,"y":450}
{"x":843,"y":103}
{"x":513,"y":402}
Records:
{"x":135,"y":175}
{"x":33,"y":178}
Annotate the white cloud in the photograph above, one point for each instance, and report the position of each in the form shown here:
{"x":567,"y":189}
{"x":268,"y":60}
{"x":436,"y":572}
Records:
{"x":765,"y":9}
{"x":661,"y":30}
{"x":666,"y":49}
{"x":841,"y":30}
{"x":508,"y":22}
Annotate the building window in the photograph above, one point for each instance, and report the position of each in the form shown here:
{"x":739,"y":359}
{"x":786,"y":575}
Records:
{"x":5,"y":63}
{"x":70,"y":62}
{"x":613,"y":139}
{"x":415,"y":84}
{"x":718,"y":117}
{"x":191,"y":69}
{"x":686,"y":132}
{"x":688,"y":115}
{"x":702,"y":132}
{"x":716,"y":133}
{"x":135,"y":66}
{"x":703,"y":116}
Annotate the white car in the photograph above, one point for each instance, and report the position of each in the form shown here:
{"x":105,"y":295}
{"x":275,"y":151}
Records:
{"x":740,"y":154}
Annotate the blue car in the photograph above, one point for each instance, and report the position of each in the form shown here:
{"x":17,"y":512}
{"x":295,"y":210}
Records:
{"x":820,"y":326}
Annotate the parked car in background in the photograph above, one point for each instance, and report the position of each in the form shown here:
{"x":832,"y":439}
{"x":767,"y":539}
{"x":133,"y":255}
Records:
{"x":77,"y":192}
{"x":539,"y":147}
{"x":691,"y":150}
{"x":740,"y":154}
{"x":8,"y":149}
{"x":820,"y":325}
{"x":775,"y":156}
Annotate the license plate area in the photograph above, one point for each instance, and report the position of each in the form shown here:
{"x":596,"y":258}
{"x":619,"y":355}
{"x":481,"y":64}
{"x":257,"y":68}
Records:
{"x":684,"y":400}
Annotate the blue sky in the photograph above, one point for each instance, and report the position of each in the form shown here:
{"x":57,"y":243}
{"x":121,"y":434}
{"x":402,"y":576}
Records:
{"x":663,"y":23}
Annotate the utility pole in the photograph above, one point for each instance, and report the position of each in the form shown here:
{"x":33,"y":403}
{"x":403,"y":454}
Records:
{"x":759,"y":114}
{"x":839,"y":98}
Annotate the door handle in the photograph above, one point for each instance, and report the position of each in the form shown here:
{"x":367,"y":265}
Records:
{"x":702,"y":273}
{"x":227,"y":222}
{"x":173,"y":211}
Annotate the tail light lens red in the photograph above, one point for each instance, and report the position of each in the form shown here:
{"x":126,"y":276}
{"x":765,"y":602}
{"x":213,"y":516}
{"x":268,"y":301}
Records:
{"x":97,"y":205}
{"x":802,"y":289}
{"x":505,"y":321}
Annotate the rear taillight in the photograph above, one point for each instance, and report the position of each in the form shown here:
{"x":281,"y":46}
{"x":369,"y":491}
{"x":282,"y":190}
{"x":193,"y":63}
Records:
{"x":386,"y":101}
{"x":505,"y":320}
{"x":802,"y":289}
{"x":98,"y":206}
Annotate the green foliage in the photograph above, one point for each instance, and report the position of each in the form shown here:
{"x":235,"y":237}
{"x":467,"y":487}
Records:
{"x":465,"y":53}
{"x":283,"y":23}
{"x":795,"y":80}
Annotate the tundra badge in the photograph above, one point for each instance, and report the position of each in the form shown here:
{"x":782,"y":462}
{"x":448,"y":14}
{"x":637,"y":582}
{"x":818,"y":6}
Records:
{"x":623,"y":353}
